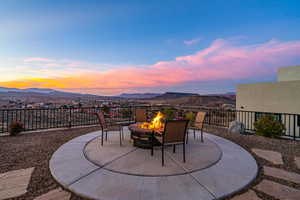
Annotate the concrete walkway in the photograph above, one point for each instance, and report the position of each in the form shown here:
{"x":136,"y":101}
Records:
{"x":127,"y":173}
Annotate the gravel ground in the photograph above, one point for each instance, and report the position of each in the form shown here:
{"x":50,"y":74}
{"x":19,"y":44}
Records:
{"x":36,"y":149}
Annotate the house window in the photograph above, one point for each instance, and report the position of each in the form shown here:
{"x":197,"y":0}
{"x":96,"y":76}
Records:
{"x":276,"y":116}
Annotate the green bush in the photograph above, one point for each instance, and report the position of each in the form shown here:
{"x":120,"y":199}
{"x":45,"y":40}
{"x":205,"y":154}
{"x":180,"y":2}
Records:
{"x":267,"y":126}
{"x":190,"y":116}
{"x":169,"y":113}
{"x":106,"y":109}
{"x":15,"y":128}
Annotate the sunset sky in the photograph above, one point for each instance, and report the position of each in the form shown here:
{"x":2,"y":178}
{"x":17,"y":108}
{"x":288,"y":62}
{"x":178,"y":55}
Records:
{"x":113,"y":47}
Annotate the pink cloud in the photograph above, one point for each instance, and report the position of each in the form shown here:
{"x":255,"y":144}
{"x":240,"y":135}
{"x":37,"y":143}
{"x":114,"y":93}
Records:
{"x":37,"y":59}
{"x":222,"y":60}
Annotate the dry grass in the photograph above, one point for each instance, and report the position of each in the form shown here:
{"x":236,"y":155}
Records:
{"x":35,"y":150}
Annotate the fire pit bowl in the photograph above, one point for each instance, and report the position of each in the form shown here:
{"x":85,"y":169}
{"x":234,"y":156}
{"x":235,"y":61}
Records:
{"x":141,"y":136}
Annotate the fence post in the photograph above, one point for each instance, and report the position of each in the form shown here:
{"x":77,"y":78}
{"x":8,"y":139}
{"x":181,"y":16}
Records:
{"x":70,"y":118}
{"x":294,"y":135}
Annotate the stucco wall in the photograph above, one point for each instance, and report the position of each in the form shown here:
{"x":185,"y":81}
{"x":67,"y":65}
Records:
{"x":281,"y":97}
{"x":277,"y":97}
{"x":289,"y":73}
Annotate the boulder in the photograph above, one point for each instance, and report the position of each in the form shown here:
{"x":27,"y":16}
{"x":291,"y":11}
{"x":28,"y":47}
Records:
{"x":236,"y":127}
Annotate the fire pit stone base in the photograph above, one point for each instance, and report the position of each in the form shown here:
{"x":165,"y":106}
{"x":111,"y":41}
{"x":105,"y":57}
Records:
{"x":141,"y":137}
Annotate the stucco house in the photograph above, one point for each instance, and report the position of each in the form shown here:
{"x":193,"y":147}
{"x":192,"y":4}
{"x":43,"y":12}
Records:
{"x":278,"y":97}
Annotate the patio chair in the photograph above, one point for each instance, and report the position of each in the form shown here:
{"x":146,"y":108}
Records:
{"x":174,"y":134}
{"x":124,"y":122}
{"x":140,"y":115}
{"x":198,"y":124}
{"x":106,"y":127}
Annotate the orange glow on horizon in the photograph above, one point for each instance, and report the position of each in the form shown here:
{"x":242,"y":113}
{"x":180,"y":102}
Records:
{"x":220,"y":61}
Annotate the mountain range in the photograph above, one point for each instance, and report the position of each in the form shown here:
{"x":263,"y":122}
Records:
{"x":44,"y":92}
{"x":139,"y":95}
{"x":40,"y":92}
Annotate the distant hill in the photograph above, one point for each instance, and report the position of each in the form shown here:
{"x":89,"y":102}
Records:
{"x":202,"y":100}
{"x":175,"y":95}
{"x":222,"y":94}
{"x":35,"y":92}
{"x":188,"y":99}
{"x":231,"y":95}
{"x":167,"y":95}
{"x":139,"y":95}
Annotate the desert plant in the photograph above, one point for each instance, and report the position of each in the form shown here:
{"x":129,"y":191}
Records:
{"x":190,"y":116}
{"x":169,"y":113}
{"x":105,"y":109}
{"x":15,"y":128}
{"x":267,"y":126}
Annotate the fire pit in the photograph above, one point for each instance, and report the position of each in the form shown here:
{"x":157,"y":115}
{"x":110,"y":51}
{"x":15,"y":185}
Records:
{"x":141,"y":132}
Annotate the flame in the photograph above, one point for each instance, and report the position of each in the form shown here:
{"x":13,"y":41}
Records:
{"x":156,"y":123}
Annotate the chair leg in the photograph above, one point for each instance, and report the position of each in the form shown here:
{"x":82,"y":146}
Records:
{"x":152,"y":145}
{"x":174,"y":148}
{"x":201,"y":135}
{"x":105,"y":135}
{"x":187,"y":136}
{"x":194,"y":134}
{"x":184,"y":152}
{"x":120,"y":138}
{"x":162,"y":155}
{"x":102,"y":135}
{"x":122,"y":133}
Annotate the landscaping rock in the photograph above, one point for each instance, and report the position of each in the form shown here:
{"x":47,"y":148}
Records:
{"x":14,"y":183}
{"x":236,"y":127}
{"x":271,"y":156}
{"x":278,"y":191}
{"x":282,"y":174}
{"x":250,"y":195}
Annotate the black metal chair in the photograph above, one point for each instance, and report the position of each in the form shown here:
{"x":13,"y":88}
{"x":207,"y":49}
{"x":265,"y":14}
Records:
{"x":106,"y":127}
{"x":174,"y":134}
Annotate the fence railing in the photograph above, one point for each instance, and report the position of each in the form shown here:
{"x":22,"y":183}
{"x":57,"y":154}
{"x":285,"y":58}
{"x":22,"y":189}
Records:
{"x":223,"y":118}
{"x":290,"y":121}
{"x":47,"y":118}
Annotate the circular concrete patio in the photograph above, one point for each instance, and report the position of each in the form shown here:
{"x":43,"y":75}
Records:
{"x":213,"y":169}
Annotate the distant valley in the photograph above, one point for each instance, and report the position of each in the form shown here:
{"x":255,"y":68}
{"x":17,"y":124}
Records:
{"x":173,"y":98}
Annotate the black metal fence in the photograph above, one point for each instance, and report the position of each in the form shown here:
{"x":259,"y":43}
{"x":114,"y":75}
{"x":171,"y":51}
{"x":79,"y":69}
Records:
{"x":290,"y":121}
{"x":223,"y":118}
{"x":47,"y":118}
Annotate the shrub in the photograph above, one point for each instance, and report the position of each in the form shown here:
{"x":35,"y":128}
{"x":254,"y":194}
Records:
{"x":169,"y":113}
{"x":15,"y":128}
{"x":106,"y":109}
{"x":267,"y":126}
{"x":190,"y":116}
